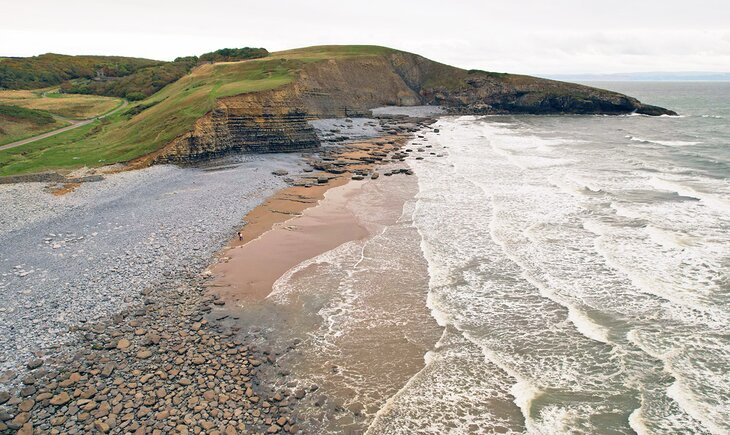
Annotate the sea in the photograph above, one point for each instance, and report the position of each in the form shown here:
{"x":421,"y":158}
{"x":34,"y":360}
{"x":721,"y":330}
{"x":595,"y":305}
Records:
{"x":542,"y":275}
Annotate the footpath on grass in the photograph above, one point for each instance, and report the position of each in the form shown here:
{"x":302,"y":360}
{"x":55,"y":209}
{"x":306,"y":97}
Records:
{"x":74,"y":124}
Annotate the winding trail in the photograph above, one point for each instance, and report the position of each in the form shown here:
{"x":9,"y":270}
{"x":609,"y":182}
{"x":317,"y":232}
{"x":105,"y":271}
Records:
{"x":74,"y":124}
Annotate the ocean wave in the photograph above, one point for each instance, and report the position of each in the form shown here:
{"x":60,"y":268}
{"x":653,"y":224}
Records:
{"x":283,"y":288}
{"x":690,"y":404}
{"x":669,"y":143}
{"x":586,"y":326}
{"x":650,"y":288}
{"x":713,"y":201}
{"x":637,"y":421}
{"x":526,"y":162}
{"x":691,"y":411}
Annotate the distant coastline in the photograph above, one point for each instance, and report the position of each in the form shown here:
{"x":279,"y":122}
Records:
{"x":672,"y":76}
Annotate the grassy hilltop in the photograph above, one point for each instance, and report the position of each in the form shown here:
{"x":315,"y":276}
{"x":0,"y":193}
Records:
{"x":153,"y":122}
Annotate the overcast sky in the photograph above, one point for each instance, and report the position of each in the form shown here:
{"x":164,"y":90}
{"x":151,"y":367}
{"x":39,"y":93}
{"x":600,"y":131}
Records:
{"x":523,"y":36}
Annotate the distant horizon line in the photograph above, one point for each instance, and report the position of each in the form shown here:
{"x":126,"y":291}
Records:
{"x":698,"y":76}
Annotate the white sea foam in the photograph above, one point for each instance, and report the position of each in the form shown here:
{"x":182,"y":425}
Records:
{"x":547,"y":285}
{"x":625,"y":211}
{"x":668,"y":239}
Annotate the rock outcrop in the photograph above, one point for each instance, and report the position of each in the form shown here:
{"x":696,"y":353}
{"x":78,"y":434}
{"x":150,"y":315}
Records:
{"x":276,"y":120}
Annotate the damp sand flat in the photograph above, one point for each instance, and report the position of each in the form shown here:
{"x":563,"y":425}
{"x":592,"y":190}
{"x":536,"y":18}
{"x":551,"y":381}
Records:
{"x":253,"y":267}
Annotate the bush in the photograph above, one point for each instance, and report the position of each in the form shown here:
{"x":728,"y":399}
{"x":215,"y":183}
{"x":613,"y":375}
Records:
{"x":234,"y":54}
{"x":135,"y":96}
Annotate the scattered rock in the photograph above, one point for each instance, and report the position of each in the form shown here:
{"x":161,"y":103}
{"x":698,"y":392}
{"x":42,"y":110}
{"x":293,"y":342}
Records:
{"x":60,"y":399}
{"x":144,"y":354}
{"x":123,"y":343}
{"x":26,"y":405}
{"x":101,"y":426}
{"x":34,"y":363}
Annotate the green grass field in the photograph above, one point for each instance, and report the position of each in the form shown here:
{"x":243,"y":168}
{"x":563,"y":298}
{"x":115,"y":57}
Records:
{"x":71,"y":106}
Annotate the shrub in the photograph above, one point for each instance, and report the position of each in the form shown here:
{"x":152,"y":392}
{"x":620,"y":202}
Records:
{"x":234,"y":54}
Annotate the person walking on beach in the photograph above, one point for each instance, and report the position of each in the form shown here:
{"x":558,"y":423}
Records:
{"x":240,"y":237}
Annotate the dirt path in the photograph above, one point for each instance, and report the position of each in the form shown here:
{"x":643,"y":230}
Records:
{"x":74,"y":124}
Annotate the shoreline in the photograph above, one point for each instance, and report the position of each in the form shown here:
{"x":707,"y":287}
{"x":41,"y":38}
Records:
{"x":265,"y":284}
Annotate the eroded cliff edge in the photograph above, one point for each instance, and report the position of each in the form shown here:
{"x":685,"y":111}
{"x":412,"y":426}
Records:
{"x":276,"y":120}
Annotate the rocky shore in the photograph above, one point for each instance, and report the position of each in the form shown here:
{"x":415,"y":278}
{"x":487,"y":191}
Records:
{"x":159,"y":368}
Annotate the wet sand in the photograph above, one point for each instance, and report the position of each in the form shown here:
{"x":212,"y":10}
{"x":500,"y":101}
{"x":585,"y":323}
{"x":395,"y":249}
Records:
{"x":253,"y":267}
{"x":288,"y":229}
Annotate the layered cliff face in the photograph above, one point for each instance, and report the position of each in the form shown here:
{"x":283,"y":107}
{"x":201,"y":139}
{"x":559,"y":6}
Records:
{"x":276,"y":120}
{"x":254,"y":124}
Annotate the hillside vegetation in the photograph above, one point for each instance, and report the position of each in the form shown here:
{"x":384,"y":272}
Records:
{"x":130,"y":78}
{"x":53,"y":69}
{"x":136,"y":86}
{"x":234,"y":54}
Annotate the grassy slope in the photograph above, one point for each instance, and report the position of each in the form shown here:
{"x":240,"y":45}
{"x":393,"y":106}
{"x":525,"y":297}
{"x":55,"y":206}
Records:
{"x":68,"y":106}
{"x":172,"y":112}
{"x":18,"y":123}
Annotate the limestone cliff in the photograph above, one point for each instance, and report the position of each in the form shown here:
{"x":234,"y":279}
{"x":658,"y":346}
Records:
{"x":276,"y":120}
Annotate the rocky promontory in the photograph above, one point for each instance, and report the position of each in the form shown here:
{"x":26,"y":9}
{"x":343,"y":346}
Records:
{"x":275,"y":120}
